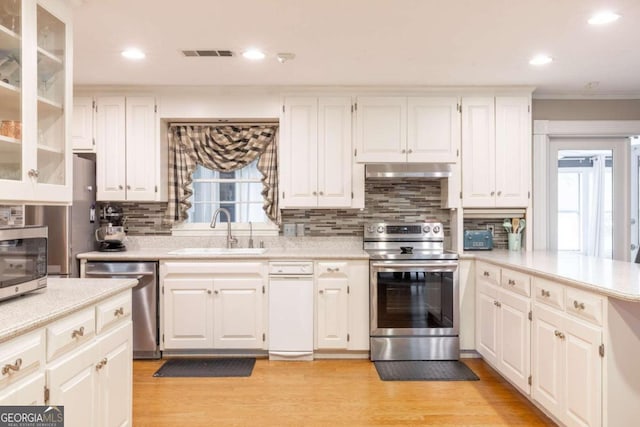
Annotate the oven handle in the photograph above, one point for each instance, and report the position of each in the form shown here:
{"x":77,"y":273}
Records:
{"x":429,"y":266}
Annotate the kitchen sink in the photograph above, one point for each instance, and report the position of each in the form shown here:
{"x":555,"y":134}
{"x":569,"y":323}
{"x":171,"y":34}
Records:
{"x":218,"y":251}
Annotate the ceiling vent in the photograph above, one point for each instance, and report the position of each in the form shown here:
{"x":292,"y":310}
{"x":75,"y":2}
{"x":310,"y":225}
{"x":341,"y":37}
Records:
{"x":208,"y":53}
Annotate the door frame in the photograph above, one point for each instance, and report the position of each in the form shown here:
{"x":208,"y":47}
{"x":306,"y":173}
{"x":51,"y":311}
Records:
{"x":543,"y":132}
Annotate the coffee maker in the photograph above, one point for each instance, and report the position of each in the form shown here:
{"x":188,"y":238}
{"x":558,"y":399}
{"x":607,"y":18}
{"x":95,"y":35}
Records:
{"x":111,"y":233}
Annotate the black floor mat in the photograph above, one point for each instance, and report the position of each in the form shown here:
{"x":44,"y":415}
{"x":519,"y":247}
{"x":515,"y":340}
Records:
{"x":424,"y":370}
{"x":236,"y":367}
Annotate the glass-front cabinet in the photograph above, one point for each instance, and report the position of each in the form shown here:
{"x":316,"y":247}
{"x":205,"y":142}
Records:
{"x":35,"y":100}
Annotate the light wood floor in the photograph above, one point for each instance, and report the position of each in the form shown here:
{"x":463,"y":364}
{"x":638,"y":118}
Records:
{"x":326,"y":393}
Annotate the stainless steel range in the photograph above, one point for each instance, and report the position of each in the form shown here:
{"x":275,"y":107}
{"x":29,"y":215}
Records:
{"x":414,"y":292}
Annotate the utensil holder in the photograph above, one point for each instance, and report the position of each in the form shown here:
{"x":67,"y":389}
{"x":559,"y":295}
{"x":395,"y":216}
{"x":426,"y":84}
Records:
{"x":515,"y":241}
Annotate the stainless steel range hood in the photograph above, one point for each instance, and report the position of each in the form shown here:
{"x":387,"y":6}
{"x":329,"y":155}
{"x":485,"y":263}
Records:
{"x":408,"y":170}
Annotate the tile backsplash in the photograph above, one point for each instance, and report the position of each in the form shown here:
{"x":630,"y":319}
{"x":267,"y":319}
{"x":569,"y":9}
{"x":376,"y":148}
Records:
{"x":397,"y":200}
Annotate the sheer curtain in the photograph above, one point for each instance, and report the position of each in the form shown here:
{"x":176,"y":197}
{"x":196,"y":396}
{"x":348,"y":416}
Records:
{"x":594,"y":224}
{"x":221,"y":148}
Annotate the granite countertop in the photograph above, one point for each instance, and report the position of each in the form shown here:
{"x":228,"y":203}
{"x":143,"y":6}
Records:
{"x":60,"y":298}
{"x":617,"y":279}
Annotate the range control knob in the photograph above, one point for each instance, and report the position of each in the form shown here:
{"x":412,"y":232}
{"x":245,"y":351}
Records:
{"x":380,"y":229}
{"x":436,"y":229}
{"x":370,"y":229}
{"x":426,"y":229}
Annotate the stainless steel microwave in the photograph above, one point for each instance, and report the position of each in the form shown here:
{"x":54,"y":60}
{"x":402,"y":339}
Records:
{"x":23,"y":260}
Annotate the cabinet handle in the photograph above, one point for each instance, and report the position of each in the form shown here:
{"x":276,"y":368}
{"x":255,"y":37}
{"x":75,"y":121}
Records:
{"x":9,"y":367}
{"x":77,"y":332}
{"x":128,"y":187}
{"x":558,"y":334}
{"x":512,"y":282}
{"x":315,"y":193}
{"x":119,"y":312}
{"x":209,"y":291}
{"x":497,"y":304}
{"x":33,"y":173}
{"x":216,"y":292}
{"x":322,"y":193}
{"x":120,"y":187}
{"x":101,"y":364}
{"x":485,"y":274}
{"x":499,"y":193}
{"x":321,"y":291}
{"x":493,"y":193}
{"x":404,"y":151}
{"x":409,"y":151}
{"x":578,"y":305}
{"x":545,"y":293}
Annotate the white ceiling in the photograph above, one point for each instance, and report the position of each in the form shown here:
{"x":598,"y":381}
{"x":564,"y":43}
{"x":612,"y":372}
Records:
{"x":363,"y":42}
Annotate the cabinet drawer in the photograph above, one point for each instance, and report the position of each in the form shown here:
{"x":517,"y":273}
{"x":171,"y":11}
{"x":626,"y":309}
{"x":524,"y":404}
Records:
{"x":68,"y":333}
{"x":113,"y":311}
{"x":488,"y":272}
{"x":515,"y":281}
{"x":324,"y":268}
{"x":584,"y":305}
{"x":548,"y":293}
{"x":21,"y":356}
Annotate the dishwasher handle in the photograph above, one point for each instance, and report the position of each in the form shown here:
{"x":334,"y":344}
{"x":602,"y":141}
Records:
{"x":122,"y":275}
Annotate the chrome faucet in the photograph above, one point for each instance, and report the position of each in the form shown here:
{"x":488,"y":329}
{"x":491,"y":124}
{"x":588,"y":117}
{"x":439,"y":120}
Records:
{"x":230,"y":239}
{"x":250,"y":234}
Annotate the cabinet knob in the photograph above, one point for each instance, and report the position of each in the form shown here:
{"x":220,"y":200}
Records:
{"x":322,"y":193}
{"x":216,"y":292}
{"x":12,"y":367}
{"x":33,"y":173}
{"x":128,"y":187}
{"x":315,"y":193}
{"x":499,"y":193}
{"x":209,"y":291}
{"x":120,"y":187}
{"x":409,"y":151}
{"x":578,"y":305}
{"x":321,"y":291}
{"x":493,"y":193}
{"x":485,"y":274}
{"x":404,"y":151}
{"x":512,"y":282}
{"x":77,"y":332}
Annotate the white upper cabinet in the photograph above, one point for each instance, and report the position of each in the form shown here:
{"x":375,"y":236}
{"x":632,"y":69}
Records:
{"x":315,"y":152}
{"x":35,"y":90}
{"x":82,"y":131}
{"x":407,"y":129}
{"x":496,"y":151}
{"x":127,"y":150}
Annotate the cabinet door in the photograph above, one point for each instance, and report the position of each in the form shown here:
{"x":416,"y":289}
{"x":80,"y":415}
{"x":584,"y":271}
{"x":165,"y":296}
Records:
{"x":513,"y":151}
{"x":142,"y":147}
{"x":332,"y":283}
{"x":478,"y":152}
{"x":111,"y":148}
{"x":433,"y":129}
{"x":188,"y":313}
{"x":582,"y":375}
{"x":547,"y":369}
{"x":487,"y":318}
{"x":358,"y":305}
{"x":299,"y":153}
{"x":115,"y":377}
{"x":381,"y":129}
{"x":73,"y":383}
{"x":238,"y":313}
{"x":27,"y":392}
{"x":82,"y":130}
{"x":515,"y":339}
{"x":334,"y":152}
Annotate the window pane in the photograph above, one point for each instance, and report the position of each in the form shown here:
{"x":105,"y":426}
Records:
{"x":569,"y":231}
{"x":568,"y":191}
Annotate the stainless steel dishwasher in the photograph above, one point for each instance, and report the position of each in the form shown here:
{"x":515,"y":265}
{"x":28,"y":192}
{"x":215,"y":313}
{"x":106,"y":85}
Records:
{"x":145,"y":301}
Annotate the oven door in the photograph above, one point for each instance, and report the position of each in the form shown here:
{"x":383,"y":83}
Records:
{"x":414,"y":298}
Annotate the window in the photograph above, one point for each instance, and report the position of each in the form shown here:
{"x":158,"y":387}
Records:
{"x":240,"y":192}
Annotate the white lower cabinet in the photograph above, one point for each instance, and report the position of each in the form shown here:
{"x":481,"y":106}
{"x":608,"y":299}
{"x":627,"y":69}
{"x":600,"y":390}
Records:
{"x":342,"y":305}
{"x":213,"y":305}
{"x":567,"y":367}
{"x":27,"y":392}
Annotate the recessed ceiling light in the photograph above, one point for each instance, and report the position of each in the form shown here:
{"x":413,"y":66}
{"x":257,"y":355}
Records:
{"x":604,"y":17}
{"x":540,"y":60}
{"x":253,"y":54}
{"x":133,"y":53}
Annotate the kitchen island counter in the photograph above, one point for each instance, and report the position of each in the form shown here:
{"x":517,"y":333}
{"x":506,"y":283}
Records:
{"x":60,"y":298}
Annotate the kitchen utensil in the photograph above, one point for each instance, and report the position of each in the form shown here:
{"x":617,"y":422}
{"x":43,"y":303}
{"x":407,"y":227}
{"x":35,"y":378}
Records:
{"x":522,"y":225}
{"x":507,"y":225}
{"x":515,"y":223}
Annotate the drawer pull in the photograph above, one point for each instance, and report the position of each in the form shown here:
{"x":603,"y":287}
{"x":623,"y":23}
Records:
{"x":558,"y":334}
{"x":486,"y":274}
{"x":512,"y":282}
{"x":321,"y":291}
{"x":578,"y":305}
{"x":497,"y":304}
{"x":6,"y":369}
{"x":77,"y":332}
{"x":101,"y":364}
{"x":545,"y":293}
{"x":119,"y":312}
{"x":333,"y":270}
